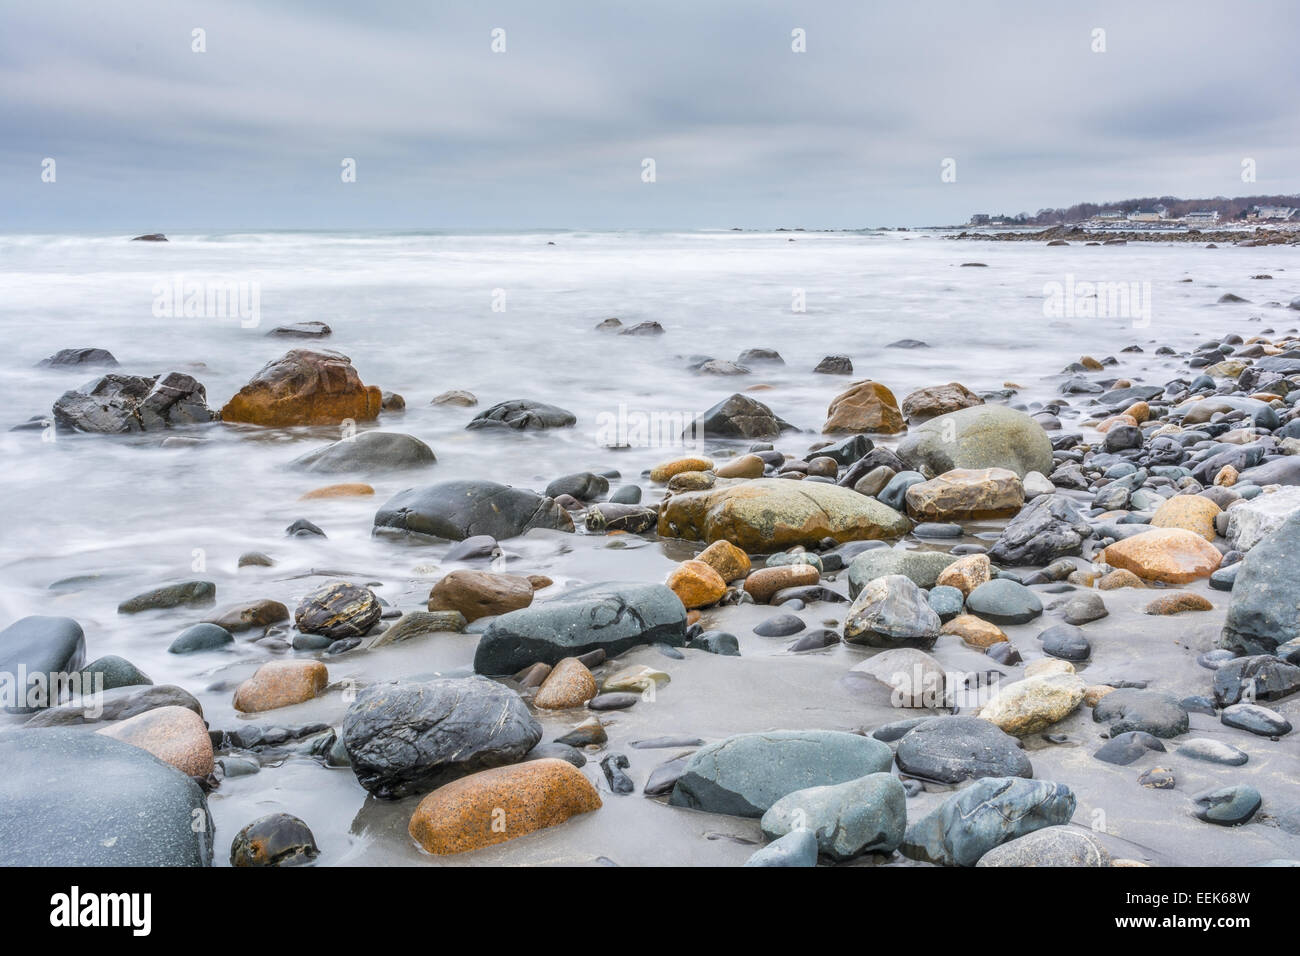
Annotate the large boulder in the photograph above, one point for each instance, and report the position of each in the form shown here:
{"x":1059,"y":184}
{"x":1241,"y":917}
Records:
{"x":303,"y":387}
{"x":985,"y":436}
{"x":772,"y":514}
{"x":987,"y":814}
{"x":891,"y":612}
{"x":866,"y":815}
{"x":737,"y":417}
{"x":369,"y":452}
{"x":966,"y":493}
{"x":405,"y":737}
{"x":462,"y":509}
{"x":746,"y":774}
{"x":42,"y":649}
{"x":1035,"y":703}
{"x":523,"y":414}
{"x":923,"y":567}
{"x":935,"y":400}
{"x":952,"y":749}
{"x":1265,"y":607}
{"x":1049,"y":528}
{"x":477,"y":594}
{"x":608,"y":617}
{"x":865,"y":406}
{"x":70,"y":798}
{"x":1166,"y":555}
{"x":1250,"y":522}
{"x":117,"y":404}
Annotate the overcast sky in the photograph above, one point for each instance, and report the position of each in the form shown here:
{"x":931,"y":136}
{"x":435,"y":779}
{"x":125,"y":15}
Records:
{"x":148,"y":135}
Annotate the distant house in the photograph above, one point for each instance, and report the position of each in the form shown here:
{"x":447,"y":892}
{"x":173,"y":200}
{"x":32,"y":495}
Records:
{"x":1111,"y":215}
{"x":1148,"y":215}
{"x":980,"y":219}
{"x":1277,"y":213}
{"x":1202,"y":217}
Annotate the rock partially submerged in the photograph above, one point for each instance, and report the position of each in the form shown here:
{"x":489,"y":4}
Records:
{"x":462,"y":509}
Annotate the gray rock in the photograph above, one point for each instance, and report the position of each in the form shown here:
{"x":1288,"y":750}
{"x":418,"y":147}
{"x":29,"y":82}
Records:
{"x":185,"y":594}
{"x":71,"y":358}
{"x":200,"y":637}
{"x":1256,"y":719}
{"x":117,"y":704}
{"x":716,"y":642}
{"x":338,"y":610}
{"x":796,"y":848}
{"x":866,"y":815}
{"x":1004,"y":601}
{"x":957,"y":748}
{"x":523,"y":414}
{"x":1123,"y":749}
{"x":583,"y":485}
{"x":1227,"y":806}
{"x":462,"y":509}
{"x":983,"y":436}
{"x":1212,"y":751}
{"x":1048,"y":528}
{"x":1067,"y":642}
{"x":923,"y":567}
{"x":738,"y":417}
{"x":891,"y":611}
{"x":120,"y":404}
{"x":116,"y":672}
{"x":1050,"y":846}
{"x":1257,"y":677}
{"x":1131,"y":708}
{"x":414,"y":624}
{"x":40,"y":645}
{"x":370,"y":452}
{"x":1085,"y":608}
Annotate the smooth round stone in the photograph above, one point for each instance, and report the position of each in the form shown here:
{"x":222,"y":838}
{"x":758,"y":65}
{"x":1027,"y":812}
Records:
{"x":1004,"y":601}
{"x":1212,"y":751}
{"x":311,"y":642}
{"x":1228,"y":806}
{"x":116,"y":671}
{"x":783,"y":625}
{"x":894,"y":493}
{"x":1084,"y":609}
{"x":796,"y":848}
{"x":952,"y":749}
{"x":614,"y":701}
{"x":200,"y":637}
{"x":946,"y":601}
{"x":1067,"y":642}
{"x":815,"y":640}
{"x":937,"y":529}
{"x":627,"y":495}
{"x":793,"y":604}
{"x":558,"y":751}
{"x":1051,"y":846}
{"x":278,"y":839}
{"x":1134,"y":708}
{"x":1124,"y":749}
{"x":716,"y":642}
{"x":1256,"y":719}
{"x":1224,"y":578}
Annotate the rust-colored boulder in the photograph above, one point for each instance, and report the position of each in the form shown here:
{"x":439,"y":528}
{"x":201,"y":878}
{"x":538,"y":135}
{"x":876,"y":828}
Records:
{"x":279,"y":684}
{"x":175,"y":735}
{"x":481,"y":593}
{"x":1167,"y":555}
{"x":496,"y":805}
{"x":725,"y":558}
{"x":935,"y":400}
{"x":866,"y":406}
{"x":303,"y":387}
{"x":765,"y":582}
{"x":966,"y":573}
{"x":569,"y":684}
{"x":696,"y":584}
{"x":1189,"y":512}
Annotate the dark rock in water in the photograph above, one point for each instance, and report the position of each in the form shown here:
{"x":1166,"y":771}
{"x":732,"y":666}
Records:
{"x":1212,"y":751}
{"x":634,"y":519}
{"x":277,"y":839}
{"x":618,"y":700}
{"x":558,"y":751}
{"x":302,"y":528}
{"x":835,"y":365}
{"x":627,"y":495}
{"x":1198,"y":704}
{"x":119,"y":404}
{"x":1265,"y":607}
{"x":587,"y":734}
{"x":782,"y":625}
{"x":117,"y":704}
{"x":1066,"y":642}
{"x":907,"y":344}
{"x":367,"y":452}
{"x":583,"y":485}
{"x":716,"y":642}
{"x":665,"y":776}
{"x":311,"y":329}
{"x":1050,"y":527}
{"x":1228,"y":806}
{"x":115,"y":672}
{"x":185,"y":594}
{"x":1258,"y":677}
{"x":760,"y":356}
{"x":1123,"y":749}
{"x":1085,"y":608}
{"x":464,"y":509}
{"x":798,"y":848}
{"x":1225,"y":578}
{"x":72,"y":358}
{"x":894,"y":493}
{"x":661,"y":743}
{"x":1121,"y":437}
{"x":43,"y":648}
{"x":523,"y":414}
{"x":200,"y":637}
{"x":70,"y":798}
{"x":406,"y":737}
{"x":1004,"y":652}
{"x":151,"y":237}
{"x":815,"y":641}
{"x":846,"y":450}
{"x":1150,"y":711}
{"x":476,"y":546}
{"x":808,"y":594}
{"x":738,"y":417}
{"x":986,"y":814}
{"x":609,"y":617}
{"x":933,"y":529}
{"x":953,"y":749}
{"x":643,"y":328}
{"x":746,"y":774}
{"x":338,"y":610}
{"x":612,"y":766}
{"x":1004,"y":601}
{"x":1256,"y":719}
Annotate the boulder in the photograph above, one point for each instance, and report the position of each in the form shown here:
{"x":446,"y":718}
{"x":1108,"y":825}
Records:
{"x":1250,"y":522}
{"x":913,"y":677}
{"x":935,"y":400}
{"x":477,"y":594}
{"x":737,"y":417}
{"x":73,"y":358}
{"x":42,"y":648}
{"x":175,"y":735}
{"x":865,"y":406}
{"x":1049,"y":528}
{"x":1166,"y":555}
{"x":964,"y":494}
{"x":866,"y":815}
{"x":1190,"y":512}
{"x":1050,"y":846}
{"x":952,"y":749}
{"x":523,"y":414}
{"x":461,"y":509}
{"x":1004,"y":601}
{"x":922,"y":567}
{"x":118,"y":404}
{"x":1147,"y":711}
{"x":369,"y":452}
{"x":1035,"y":703}
{"x":990,"y":812}
{"x":985,"y":436}
{"x":1265,"y":607}
{"x":303,"y":387}
{"x":889,"y":612}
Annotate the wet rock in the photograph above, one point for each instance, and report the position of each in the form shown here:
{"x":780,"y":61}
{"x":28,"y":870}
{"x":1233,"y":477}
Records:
{"x":866,"y":815}
{"x":614,"y":701}
{"x":1128,"y":709}
{"x":975,"y":631}
{"x":738,"y":417}
{"x":1189,"y":512}
{"x":1067,"y":642}
{"x":913,"y":677}
{"x":303,"y":387}
{"x":1035,"y":703}
{"x":1258,"y":720}
{"x":175,"y":735}
{"x":865,"y":406}
{"x":725,"y":558}
{"x":631,"y":518}
{"x":1050,"y":846}
{"x":1123,"y":749}
{"x":338,"y":610}
{"x":277,"y":839}
{"x":370,"y":452}
{"x":966,"y":573}
{"x":1252,"y":521}
{"x":648,"y":328}
{"x":115,"y":672}
{"x":796,"y":848}
{"x":835,"y":365}
{"x":456,"y":396}
{"x":742,"y":466}
{"x":716,"y":642}
{"x":41,"y":647}
{"x":280,"y":684}
{"x":1049,"y":528}
{"x":1265,"y":607}
{"x":782,"y":625}
{"x":78,"y":358}
{"x":558,"y":751}
{"x":1084,"y":609}
{"x":200,"y":637}
{"x":1256,"y":677}
{"x":891,"y":611}
{"x":477,"y":594}
{"x":1166,"y":555}
{"x":457,"y":510}
{"x":185,"y":594}
{"x":922,"y":567}
{"x":985,"y":436}
{"x":523,"y":414}
{"x":569,"y":684}
{"x":965,"y":494}
{"x":1212,"y":751}
{"x":763,"y":584}
{"x":415,"y":624}
{"x":957,"y":748}
{"x":935,"y":400}
{"x":1177,"y":603}
{"x":254,"y":615}
{"x":1227,"y":806}
{"x":119,"y":404}
{"x":696,"y":584}
{"x":583,"y":485}
{"x":1004,"y":601}
{"x":117,"y":704}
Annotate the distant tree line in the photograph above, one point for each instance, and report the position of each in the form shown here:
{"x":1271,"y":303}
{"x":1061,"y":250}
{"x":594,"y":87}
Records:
{"x":1228,"y":208}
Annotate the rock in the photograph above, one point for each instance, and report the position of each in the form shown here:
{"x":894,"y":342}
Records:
{"x":583,"y":485}
{"x":277,"y":839}
{"x":716,"y":642}
{"x":834,"y":365}
{"x":414,"y":624}
{"x":742,"y":466}
{"x":185,"y":594}
{"x":1123,"y":749}
{"x":492,"y":806}
{"x":1085,"y":608}
{"x":462,"y":509}
{"x":1252,"y":521}
{"x":1049,"y":528}
{"x":347,"y":489}
{"x":115,"y":672}
{"x":368,"y":452}
{"x":1067,"y":642}
{"x":1212,"y":751}
{"x":1227,"y":806}
{"x":42,"y":648}
{"x":1256,"y":677}
{"x":696,"y":584}
{"x":119,"y":404}
{"x":456,"y":396}
{"x":280,"y":684}
{"x":477,"y":594}
{"x":1265,"y":607}
{"x":69,"y":358}
{"x":617,"y":701}
{"x":175,"y":735}
{"x":251,"y":616}
{"x":946,"y":601}
{"x":985,"y":436}
{"x":1035,"y":703}
{"x":1113,"y":580}
{"x":783,"y":625}
{"x":953,"y":749}
{"x":523,"y":414}
{"x":96,"y":802}
{"x":737,"y":417}
{"x":975,"y":631}
{"x":913,"y":677}
{"x":763,"y":584}
{"x":607,"y":517}
{"x":966,"y":494}
{"x":118,"y":704}
{"x":303,"y":387}
{"x":200,"y":637}
{"x":966,"y":573}
{"x":609,"y":617}
{"x":338,"y":610}
{"x":774,"y":514}
{"x":1050,"y":846}
{"x":725,"y":558}
{"x":403,"y":737}
{"x":569,"y":684}
{"x":866,"y":406}
{"x":796,"y":848}
{"x":1177,"y":603}
{"x":1166,"y":555}
{"x":643,"y":329}
{"x":1004,"y":601}
{"x":927,"y":403}
{"x":1129,"y":709}
{"x":922,"y":567}
{"x":301,"y":330}
{"x":891,"y":612}
{"x":1255,"y":719}
{"x":1189,"y":512}
{"x":990,"y":812}
{"x":866,"y":815}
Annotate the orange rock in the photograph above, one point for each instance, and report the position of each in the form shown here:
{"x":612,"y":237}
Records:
{"x":1119,"y":578}
{"x":665,"y":470}
{"x":480,"y":593}
{"x":696,"y":584}
{"x":1226,"y":477}
{"x":1138,"y":411}
{"x":975,"y":631}
{"x":725,"y":558}
{"x":1106,"y":424}
{"x":569,"y":684}
{"x":348,"y":489}
{"x":1167,"y":555}
{"x":279,"y":684}
{"x":967,"y":573}
{"x":765,"y":582}
{"x":1093,"y":693}
{"x":1189,"y":512}
{"x":1091,"y":364}
{"x":1177,"y":603}
{"x":175,"y":735}
{"x":743,"y":466}
{"x":305,"y":388}
{"x":493,"y":806}
{"x":866,"y":406}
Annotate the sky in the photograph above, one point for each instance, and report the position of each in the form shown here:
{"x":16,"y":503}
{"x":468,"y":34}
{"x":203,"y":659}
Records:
{"x":554,"y":131}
